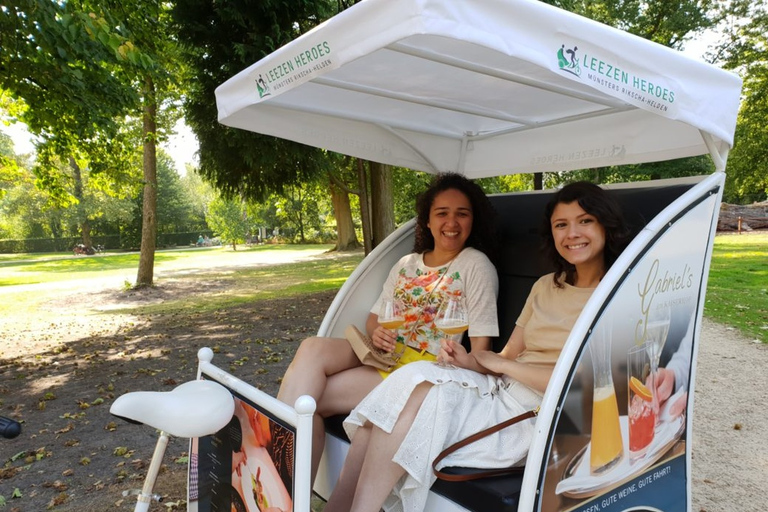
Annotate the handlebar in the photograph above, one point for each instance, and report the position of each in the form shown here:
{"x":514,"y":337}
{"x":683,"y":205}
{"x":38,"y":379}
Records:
{"x":9,"y":428}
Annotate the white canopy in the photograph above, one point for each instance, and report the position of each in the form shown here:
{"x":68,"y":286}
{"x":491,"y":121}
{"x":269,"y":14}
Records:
{"x":484,"y":88}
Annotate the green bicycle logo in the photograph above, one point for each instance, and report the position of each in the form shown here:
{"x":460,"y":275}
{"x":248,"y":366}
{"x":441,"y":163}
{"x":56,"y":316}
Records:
{"x":262,"y":86}
{"x":567,"y":60}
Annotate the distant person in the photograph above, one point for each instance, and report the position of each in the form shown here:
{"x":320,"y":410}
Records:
{"x":200,"y":241}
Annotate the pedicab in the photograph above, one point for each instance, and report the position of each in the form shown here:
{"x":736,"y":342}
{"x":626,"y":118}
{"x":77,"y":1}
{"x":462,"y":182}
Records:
{"x":493,"y":88}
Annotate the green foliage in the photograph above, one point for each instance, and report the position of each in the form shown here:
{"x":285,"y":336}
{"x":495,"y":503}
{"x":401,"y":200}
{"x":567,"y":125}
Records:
{"x":736,"y":292}
{"x":746,"y":51}
{"x":53,"y":54}
{"x":667,"y":22}
{"x":9,"y":167}
{"x":304,"y":212}
{"x":220,"y":39}
{"x":229,"y":220}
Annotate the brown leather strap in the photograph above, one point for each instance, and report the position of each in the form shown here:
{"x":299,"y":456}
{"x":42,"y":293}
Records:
{"x":471,"y":439}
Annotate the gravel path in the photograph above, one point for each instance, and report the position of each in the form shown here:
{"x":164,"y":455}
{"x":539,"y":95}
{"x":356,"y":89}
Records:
{"x":730,"y":431}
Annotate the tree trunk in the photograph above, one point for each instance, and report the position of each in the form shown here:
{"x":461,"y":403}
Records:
{"x":346,"y":239}
{"x":82,"y":214}
{"x":365,"y":206}
{"x":382,"y":202}
{"x":145,"y":275}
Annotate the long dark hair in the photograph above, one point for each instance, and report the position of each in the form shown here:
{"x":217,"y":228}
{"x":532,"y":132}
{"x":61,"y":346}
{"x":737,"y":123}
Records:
{"x":604,"y":207}
{"x":483,"y":236}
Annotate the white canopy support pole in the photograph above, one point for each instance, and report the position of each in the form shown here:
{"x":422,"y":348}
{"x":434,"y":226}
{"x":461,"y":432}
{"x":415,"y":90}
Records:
{"x":552,"y":122}
{"x":465,"y":141}
{"x":717,"y":157}
{"x":408,"y":143}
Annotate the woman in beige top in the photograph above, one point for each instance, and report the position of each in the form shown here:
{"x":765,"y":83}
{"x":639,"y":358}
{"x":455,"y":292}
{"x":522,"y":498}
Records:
{"x":405,"y":422}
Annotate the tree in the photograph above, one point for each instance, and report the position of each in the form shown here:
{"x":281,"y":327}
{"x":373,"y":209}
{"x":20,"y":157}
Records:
{"x":53,"y":55}
{"x":220,"y":39}
{"x":229,"y":220}
{"x":745,"y":50}
{"x":9,"y":167}
{"x":57,"y":53}
{"x":667,"y":22}
{"x":199,"y":194}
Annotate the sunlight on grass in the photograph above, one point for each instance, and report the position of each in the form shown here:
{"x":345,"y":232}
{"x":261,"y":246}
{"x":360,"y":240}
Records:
{"x":19,"y":271}
{"x":246,"y":286}
{"x":737,"y":291}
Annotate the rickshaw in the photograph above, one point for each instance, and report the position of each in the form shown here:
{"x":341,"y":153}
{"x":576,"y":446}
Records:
{"x":493,"y":88}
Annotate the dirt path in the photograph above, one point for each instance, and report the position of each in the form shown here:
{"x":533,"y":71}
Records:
{"x":730,"y":431}
{"x":60,"y":370}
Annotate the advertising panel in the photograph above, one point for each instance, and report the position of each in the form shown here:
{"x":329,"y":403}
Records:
{"x":245,"y":467}
{"x":621,"y":440}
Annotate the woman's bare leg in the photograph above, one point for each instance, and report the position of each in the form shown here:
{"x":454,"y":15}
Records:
{"x":327,"y":370}
{"x":341,"y":498}
{"x":379,"y":474}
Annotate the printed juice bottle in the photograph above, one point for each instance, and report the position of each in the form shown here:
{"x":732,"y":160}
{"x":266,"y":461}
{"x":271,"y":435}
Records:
{"x":607,"y":445}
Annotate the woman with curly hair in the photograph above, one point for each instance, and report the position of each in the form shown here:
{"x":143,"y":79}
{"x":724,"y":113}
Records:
{"x":451,"y":258}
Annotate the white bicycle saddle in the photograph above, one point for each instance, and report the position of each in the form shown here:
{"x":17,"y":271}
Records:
{"x":194,"y":409}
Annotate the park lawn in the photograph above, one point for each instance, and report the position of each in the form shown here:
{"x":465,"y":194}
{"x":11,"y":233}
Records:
{"x":737,"y":291}
{"x":247,"y":285}
{"x":33,"y":269}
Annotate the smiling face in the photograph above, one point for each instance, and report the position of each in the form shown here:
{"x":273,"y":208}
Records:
{"x":450,"y":221}
{"x":579,"y":237}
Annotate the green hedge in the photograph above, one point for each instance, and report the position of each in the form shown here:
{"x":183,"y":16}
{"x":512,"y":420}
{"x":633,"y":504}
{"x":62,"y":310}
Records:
{"x":110,"y":242}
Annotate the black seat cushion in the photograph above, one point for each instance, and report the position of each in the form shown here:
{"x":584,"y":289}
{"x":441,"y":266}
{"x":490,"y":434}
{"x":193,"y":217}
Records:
{"x":500,"y":493}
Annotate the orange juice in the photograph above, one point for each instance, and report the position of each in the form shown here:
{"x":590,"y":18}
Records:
{"x":607,"y":446}
{"x":391,"y":324}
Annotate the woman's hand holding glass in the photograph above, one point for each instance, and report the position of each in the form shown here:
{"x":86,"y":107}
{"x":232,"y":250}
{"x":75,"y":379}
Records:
{"x":452,"y":320}
{"x":390,"y":319}
{"x":453,"y":354}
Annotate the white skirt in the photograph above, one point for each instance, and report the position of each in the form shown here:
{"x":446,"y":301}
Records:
{"x":459,"y":404}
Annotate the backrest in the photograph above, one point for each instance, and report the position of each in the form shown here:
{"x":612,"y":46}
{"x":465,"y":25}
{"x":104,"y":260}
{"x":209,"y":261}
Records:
{"x":520,"y":263}
{"x":521,"y":260}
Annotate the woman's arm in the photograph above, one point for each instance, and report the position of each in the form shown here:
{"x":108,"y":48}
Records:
{"x":536,"y":377}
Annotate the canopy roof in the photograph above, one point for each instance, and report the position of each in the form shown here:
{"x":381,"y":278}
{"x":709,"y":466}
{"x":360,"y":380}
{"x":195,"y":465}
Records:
{"x":484,"y":88}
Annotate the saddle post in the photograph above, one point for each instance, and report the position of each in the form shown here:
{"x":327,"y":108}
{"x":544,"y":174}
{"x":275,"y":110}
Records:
{"x":146,"y":496}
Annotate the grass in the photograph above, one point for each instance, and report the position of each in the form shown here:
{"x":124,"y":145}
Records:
{"x":25,"y":269}
{"x":269,"y":282}
{"x":250,"y":276}
{"x":737,"y":291}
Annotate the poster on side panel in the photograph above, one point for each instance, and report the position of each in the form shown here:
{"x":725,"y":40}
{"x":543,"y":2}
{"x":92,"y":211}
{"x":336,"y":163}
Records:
{"x":621,"y":440}
{"x":245,"y":467}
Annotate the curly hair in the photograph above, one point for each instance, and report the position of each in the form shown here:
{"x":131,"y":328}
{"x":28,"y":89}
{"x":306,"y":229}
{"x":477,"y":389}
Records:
{"x":604,"y":207}
{"x":483,"y":236}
